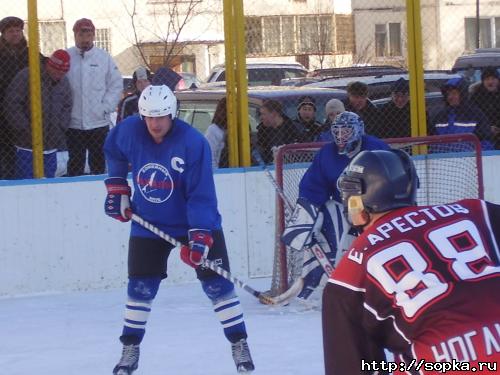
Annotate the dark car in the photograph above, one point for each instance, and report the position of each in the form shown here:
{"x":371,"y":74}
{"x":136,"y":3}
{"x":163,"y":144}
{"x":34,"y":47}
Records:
{"x":380,"y":86}
{"x":471,"y":65}
{"x":357,"y":71}
{"x":197,"y":107}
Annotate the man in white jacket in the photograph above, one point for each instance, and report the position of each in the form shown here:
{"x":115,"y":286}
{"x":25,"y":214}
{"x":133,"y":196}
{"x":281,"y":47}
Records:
{"x":97,"y":86}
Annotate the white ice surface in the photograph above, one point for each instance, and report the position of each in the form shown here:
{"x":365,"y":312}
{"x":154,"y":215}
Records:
{"x":77,"y":333}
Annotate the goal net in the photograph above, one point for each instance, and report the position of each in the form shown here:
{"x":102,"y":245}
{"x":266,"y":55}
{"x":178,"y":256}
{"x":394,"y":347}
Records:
{"x":449,"y":168}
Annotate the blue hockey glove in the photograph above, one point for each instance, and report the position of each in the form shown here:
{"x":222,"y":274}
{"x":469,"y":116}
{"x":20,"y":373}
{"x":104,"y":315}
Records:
{"x":117,"y":204}
{"x":200,"y":242}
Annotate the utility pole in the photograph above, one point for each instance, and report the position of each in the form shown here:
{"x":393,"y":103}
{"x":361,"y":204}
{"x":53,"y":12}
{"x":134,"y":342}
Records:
{"x":478,"y":29}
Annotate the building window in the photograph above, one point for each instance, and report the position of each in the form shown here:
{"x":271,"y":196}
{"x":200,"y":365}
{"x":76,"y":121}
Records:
{"x":489,"y":33}
{"x":380,"y":40}
{"x":344,"y":30}
{"x":103,"y":39}
{"x":253,"y":35}
{"x":294,"y":35}
{"x":395,"y":39}
{"x":52,"y":36}
{"x":388,"y":40}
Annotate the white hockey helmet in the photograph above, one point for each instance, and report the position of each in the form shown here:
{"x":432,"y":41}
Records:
{"x":157,"y":101}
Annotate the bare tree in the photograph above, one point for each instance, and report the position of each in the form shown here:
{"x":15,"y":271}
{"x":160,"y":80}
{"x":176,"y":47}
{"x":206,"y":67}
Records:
{"x":166,"y":22}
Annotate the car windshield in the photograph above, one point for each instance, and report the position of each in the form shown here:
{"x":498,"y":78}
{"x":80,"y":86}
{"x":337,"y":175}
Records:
{"x":472,"y":74}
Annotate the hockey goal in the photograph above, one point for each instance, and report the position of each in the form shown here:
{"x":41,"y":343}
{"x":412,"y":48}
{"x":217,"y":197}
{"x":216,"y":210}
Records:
{"x":449,"y":168}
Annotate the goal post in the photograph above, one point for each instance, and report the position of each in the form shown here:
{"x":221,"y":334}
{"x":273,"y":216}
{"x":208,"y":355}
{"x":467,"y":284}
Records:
{"x":449,"y":168}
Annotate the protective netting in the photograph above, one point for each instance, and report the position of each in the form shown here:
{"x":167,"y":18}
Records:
{"x":449,"y":168}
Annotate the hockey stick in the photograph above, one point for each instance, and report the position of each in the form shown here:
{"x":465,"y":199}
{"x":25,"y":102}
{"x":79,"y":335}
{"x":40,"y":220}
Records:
{"x":265,"y":299}
{"x":317,"y":251}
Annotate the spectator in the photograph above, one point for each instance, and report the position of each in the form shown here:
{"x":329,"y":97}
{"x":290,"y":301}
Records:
{"x":487,"y":98}
{"x":357,"y":102}
{"x":56,"y":114}
{"x":460,"y":115}
{"x":275,"y":129}
{"x":97,"y":87}
{"x":307,"y":127}
{"x":13,"y":58}
{"x":216,"y":135}
{"x":128,"y":105}
{"x":333,"y":108}
{"x":395,"y":115}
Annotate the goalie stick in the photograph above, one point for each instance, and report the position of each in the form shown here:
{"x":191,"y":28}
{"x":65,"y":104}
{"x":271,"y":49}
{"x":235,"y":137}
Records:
{"x":317,"y":251}
{"x":265,"y":299}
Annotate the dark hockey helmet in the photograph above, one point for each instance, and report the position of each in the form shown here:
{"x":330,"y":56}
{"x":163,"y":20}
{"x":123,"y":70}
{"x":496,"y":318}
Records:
{"x":384,"y":179}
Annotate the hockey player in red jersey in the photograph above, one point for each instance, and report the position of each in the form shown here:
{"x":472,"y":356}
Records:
{"x":420,"y":281}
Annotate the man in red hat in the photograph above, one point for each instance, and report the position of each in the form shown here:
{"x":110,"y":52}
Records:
{"x":56,"y":113}
{"x":97,"y":85}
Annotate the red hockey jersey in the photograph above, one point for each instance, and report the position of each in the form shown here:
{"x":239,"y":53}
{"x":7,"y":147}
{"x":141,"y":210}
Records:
{"x":423,"y":282}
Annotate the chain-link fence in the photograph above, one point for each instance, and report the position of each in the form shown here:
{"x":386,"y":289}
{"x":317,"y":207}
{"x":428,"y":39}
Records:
{"x":325,"y":56}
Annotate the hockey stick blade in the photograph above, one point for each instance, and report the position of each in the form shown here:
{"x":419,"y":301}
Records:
{"x":265,"y":299}
{"x":290,"y":294}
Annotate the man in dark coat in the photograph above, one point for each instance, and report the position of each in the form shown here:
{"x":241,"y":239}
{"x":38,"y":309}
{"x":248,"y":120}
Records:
{"x":13,"y":58}
{"x":358,"y":102}
{"x":487,"y":98}
{"x":395,"y":115}
{"x":275,"y":129}
{"x":57,"y":102}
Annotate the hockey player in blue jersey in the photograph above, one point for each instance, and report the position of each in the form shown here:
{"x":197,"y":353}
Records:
{"x":173,"y":189}
{"x":318,"y":215}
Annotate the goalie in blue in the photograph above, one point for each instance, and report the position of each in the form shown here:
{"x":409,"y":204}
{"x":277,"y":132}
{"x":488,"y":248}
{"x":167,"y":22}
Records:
{"x":318,"y":216}
{"x":173,"y":189}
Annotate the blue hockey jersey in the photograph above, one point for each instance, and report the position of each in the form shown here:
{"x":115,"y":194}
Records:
{"x":173,"y":181}
{"x":319,"y":183}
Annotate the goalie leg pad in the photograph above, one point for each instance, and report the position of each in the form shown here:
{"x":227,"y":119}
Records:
{"x":227,"y":307}
{"x":141,"y":292}
{"x":298,"y":232}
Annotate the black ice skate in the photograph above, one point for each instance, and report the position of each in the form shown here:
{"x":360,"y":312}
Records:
{"x":242,"y":357}
{"x":129,"y":360}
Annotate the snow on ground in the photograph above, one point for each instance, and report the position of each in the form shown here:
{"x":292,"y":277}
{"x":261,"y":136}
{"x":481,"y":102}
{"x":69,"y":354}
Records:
{"x":77,"y":333}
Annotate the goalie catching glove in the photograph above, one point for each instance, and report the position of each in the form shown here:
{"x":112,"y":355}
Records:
{"x":306,"y":219}
{"x":200,"y":242}
{"x":117,"y":204}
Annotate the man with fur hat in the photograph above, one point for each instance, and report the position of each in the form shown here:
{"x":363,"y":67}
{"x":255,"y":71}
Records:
{"x":13,"y":58}
{"x":487,"y":98}
{"x":128,"y":105}
{"x":56,"y":114}
{"x":307,"y":127}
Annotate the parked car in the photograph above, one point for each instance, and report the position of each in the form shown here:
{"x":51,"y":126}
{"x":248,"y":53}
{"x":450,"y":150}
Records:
{"x":197,"y":107}
{"x":470,"y":65}
{"x":262,"y":74}
{"x":357,"y":71}
{"x":380,"y":86}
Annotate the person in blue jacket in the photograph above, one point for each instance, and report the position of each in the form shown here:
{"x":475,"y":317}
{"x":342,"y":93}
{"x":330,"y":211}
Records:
{"x":318,"y":215}
{"x":460,"y":115}
{"x":173,"y":189}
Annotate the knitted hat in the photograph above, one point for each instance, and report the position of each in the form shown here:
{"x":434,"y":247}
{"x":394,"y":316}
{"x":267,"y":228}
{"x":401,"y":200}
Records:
{"x":59,"y":60}
{"x":334,"y":105}
{"x":9,"y":22}
{"x":83,"y":24}
{"x":306,"y":100}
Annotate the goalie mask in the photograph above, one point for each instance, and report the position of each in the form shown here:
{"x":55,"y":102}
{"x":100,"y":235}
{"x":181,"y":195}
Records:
{"x":347,"y":130}
{"x":378,"y":181}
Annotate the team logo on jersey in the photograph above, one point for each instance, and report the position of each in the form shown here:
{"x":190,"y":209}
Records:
{"x":155,"y":183}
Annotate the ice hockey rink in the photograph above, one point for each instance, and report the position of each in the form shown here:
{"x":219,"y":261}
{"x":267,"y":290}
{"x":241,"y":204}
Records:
{"x":77,"y":333}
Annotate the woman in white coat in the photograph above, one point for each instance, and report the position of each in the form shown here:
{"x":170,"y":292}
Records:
{"x":216,"y":135}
